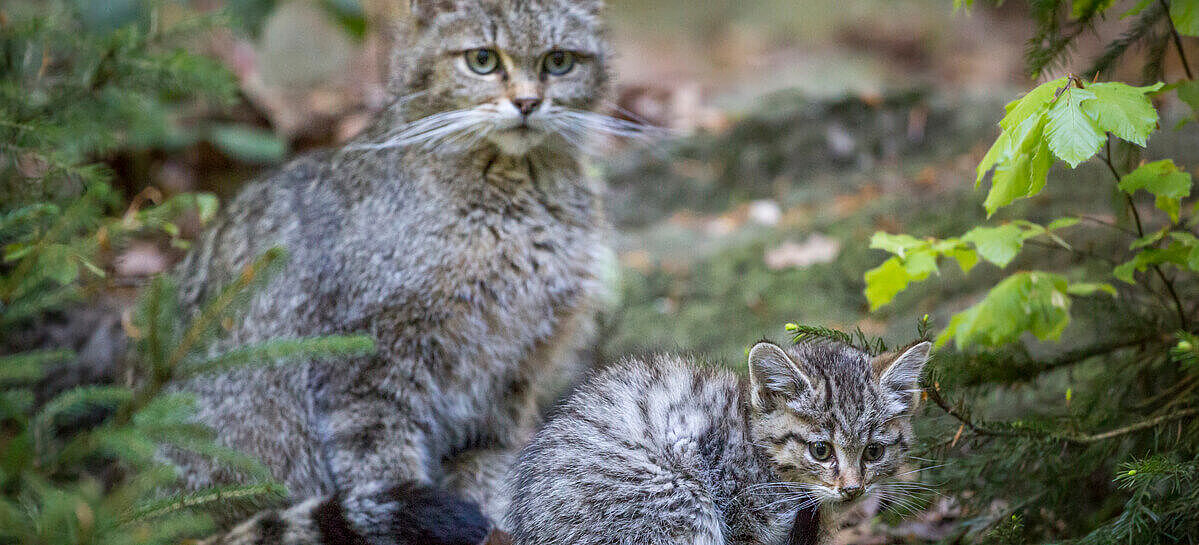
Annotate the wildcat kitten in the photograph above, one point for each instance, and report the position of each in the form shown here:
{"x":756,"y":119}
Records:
{"x":661,"y":451}
{"x":463,"y":234}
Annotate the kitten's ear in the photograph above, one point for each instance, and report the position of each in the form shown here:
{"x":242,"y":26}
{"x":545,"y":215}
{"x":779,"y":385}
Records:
{"x":424,"y":11}
{"x":901,"y":371}
{"x":772,"y":373}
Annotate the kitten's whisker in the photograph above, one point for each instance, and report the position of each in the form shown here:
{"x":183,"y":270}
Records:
{"x":921,"y":469}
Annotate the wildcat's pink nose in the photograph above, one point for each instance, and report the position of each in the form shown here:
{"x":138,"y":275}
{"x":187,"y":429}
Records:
{"x":526,"y":105}
{"x":851,"y":492}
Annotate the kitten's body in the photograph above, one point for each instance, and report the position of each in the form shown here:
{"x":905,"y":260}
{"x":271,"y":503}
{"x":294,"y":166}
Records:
{"x":470,"y":257}
{"x":661,"y":451}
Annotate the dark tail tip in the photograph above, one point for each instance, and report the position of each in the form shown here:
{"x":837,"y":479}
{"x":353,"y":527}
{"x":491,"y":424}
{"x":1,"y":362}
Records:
{"x":429,"y":516}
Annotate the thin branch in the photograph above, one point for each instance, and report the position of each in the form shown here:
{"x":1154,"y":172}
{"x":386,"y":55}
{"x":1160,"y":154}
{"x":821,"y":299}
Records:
{"x":1082,"y":354}
{"x":1144,"y":424}
{"x":935,"y":395}
{"x":1182,"y":56}
{"x":1136,"y":216}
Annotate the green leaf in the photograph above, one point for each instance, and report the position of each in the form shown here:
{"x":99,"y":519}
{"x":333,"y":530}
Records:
{"x":886,"y":281}
{"x":1164,"y":180}
{"x":1090,"y":288}
{"x":1185,"y":15}
{"x":1188,"y":92}
{"x":1178,"y":253}
{"x":1036,"y":302}
{"x":1150,"y":239}
{"x":1123,"y":110}
{"x":1070,"y":132}
{"x":965,"y":257}
{"x":998,"y":245}
{"x":896,"y":244}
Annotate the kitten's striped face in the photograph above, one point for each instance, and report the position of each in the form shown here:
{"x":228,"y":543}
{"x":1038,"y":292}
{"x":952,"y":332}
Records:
{"x":516,"y":74}
{"x":831,"y":418}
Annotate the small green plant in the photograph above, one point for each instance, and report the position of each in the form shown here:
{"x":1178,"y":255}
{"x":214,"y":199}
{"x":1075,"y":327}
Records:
{"x":84,"y":465}
{"x":101,"y":482}
{"x":1097,"y":443}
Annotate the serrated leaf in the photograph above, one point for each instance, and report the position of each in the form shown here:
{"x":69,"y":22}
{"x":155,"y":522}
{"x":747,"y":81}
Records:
{"x":1185,"y":16}
{"x":1123,"y":110}
{"x":965,"y":257}
{"x":1177,"y":253}
{"x":920,"y":264}
{"x":1023,"y":174}
{"x":998,"y":245}
{"x":886,"y":281}
{"x":1188,"y":92}
{"x":1164,"y":180}
{"x":1150,"y":239}
{"x":1034,"y":302}
{"x":1090,"y":288}
{"x":1070,"y":132}
{"x":1062,"y":223}
{"x":897,"y":244}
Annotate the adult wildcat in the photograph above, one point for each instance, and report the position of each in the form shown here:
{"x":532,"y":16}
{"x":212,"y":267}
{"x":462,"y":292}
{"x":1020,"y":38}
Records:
{"x":662,"y":451}
{"x":463,"y":234}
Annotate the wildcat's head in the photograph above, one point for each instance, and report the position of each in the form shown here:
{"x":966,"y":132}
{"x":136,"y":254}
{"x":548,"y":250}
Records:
{"x":831,"y":417}
{"x":516,"y":74}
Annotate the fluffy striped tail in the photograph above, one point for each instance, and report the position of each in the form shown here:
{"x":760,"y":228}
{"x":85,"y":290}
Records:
{"x":408,"y":514}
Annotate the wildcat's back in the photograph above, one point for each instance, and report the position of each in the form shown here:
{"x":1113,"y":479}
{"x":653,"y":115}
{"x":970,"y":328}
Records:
{"x":652,"y":452}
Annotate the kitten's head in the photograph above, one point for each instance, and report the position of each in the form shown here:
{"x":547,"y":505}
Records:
{"x":516,"y":74}
{"x":832,"y":417}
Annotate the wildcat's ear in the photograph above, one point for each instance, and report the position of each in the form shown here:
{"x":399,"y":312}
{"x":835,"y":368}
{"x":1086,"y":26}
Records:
{"x":424,"y":11}
{"x":773,"y":374}
{"x":901,"y":371}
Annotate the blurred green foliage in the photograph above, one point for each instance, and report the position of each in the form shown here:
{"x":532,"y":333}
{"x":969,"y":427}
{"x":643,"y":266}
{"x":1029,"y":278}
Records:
{"x":81,"y":82}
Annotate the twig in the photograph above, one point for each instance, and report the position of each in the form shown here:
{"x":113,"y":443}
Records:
{"x":1136,"y":216}
{"x":1083,"y":354}
{"x":935,"y":394}
{"x":1144,"y":424}
{"x":1182,"y":56}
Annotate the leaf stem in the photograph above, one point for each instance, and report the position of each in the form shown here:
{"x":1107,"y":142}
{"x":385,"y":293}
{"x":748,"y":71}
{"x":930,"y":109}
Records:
{"x":1182,"y":56}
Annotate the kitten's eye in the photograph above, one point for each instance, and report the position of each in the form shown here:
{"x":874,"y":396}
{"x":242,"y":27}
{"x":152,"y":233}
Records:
{"x":820,"y":450}
{"x":482,"y":61}
{"x":873,"y":452}
{"x":558,"y":63}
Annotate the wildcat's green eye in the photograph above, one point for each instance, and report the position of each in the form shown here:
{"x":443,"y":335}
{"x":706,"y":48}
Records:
{"x":873,"y":452}
{"x":558,"y":63}
{"x":482,"y":61}
{"x":820,"y":450}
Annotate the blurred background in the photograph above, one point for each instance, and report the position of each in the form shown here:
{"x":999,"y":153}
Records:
{"x":798,"y":129}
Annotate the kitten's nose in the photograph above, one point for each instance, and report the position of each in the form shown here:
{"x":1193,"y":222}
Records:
{"x":526,"y":105}
{"x":851,"y":492}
